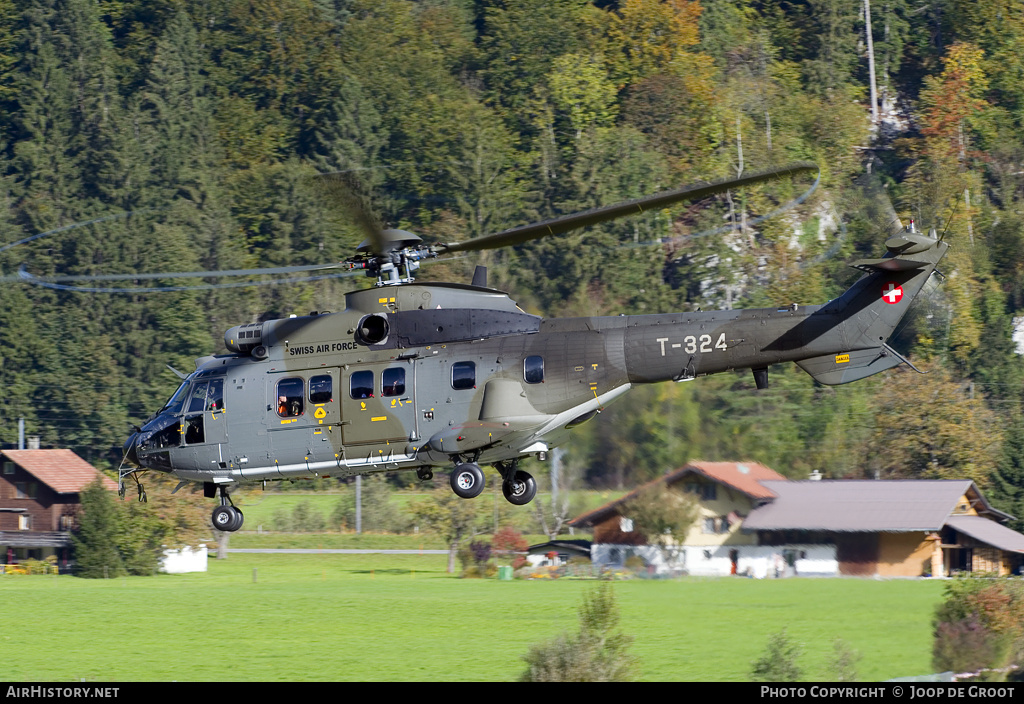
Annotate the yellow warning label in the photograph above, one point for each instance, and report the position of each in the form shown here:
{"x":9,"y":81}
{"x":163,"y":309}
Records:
{"x":320,"y":413}
{"x":376,"y":418}
{"x":842,"y":358}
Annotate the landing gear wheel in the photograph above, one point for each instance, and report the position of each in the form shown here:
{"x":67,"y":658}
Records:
{"x":467,"y":480}
{"x":521,"y":489}
{"x":227,"y":518}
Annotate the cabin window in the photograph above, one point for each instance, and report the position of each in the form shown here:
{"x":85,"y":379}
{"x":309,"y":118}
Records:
{"x":392,"y":382}
{"x":289,"y":397}
{"x":361,"y":384}
{"x":215,"y":396}
{"x":321,"y":389}
{"x":464,"y":375}
{"x":533,"y":369}
{"x":197,"y":401}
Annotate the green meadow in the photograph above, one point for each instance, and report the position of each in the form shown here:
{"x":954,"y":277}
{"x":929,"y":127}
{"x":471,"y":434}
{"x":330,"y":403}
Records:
{"x":255,"y":617}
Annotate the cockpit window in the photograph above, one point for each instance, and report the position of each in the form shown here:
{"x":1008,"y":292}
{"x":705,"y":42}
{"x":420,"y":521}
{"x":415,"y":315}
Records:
{"x":321,"y":389}
{"x":289,"y":397}
{"x":215,"y":396}
{"x":176,"y":401}
{"x":197,"y":401}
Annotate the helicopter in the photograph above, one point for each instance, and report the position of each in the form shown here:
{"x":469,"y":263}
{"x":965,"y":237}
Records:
{"x":455,"y":376}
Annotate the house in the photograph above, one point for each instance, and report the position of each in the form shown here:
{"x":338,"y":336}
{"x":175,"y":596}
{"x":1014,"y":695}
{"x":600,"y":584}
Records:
{"x":557,"y":552}
{"x":754,"y":521}
{"x":39,"y":500}
{"x":888,"y":528}
{"x":726,"y":491}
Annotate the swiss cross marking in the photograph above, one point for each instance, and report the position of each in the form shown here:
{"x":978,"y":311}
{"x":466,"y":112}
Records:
{"x":892,"y":293}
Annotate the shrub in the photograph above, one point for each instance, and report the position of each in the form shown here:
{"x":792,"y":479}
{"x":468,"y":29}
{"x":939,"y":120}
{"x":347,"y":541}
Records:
{"x":598,"y":652}
{"x":842,"y":667}
{"x":778,"y":663}
{"x":980,"y":626}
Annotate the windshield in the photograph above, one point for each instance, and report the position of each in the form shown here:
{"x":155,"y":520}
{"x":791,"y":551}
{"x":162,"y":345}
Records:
{"x":174,"y":405}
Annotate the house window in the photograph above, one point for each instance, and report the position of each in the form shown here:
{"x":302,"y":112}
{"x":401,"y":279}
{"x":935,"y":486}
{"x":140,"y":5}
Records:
{"x":25,"y":490}
{"x":723,"y":524}
{"x":709,"y":525}
{"x":24,"y":522}
{"x":706,"y":491}
{"x":626,"y":525}
{"x":8,"y":467}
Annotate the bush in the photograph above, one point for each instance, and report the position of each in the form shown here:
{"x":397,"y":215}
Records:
{"x":597,"y":653}
{"x":980,"y":626}
{"x":778,"y":663}
{"x":842,"y":667}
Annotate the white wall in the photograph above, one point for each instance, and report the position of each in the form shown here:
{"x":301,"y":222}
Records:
{"x":186,"y":559}
{"x":757,"y":561}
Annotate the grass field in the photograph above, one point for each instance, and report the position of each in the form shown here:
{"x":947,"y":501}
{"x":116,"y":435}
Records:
{"x":402,"y":618}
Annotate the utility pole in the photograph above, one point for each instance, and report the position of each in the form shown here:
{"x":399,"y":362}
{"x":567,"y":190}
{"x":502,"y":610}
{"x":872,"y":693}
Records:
{"x":359,"y":503}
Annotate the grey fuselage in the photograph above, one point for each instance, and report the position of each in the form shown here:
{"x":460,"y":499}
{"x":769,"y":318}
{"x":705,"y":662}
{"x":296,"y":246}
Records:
{"x":427,"y":375}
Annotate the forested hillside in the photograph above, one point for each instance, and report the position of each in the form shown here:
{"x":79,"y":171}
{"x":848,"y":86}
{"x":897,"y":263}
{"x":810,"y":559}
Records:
{"x":185,"y":134}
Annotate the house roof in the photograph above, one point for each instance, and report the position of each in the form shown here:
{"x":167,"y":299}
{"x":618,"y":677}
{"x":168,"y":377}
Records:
{"x":989,"y":532}
{"x":580,"y":546}
{"x":61,"y":470}
{"x":745,"y":477}
{"x":863,"y":506}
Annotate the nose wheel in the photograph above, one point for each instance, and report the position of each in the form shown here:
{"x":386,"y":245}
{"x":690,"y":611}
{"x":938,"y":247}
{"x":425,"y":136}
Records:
{"x":226,"y":517}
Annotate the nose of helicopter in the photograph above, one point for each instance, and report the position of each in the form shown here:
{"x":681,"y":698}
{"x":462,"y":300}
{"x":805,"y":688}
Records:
{"x":130,"y":454}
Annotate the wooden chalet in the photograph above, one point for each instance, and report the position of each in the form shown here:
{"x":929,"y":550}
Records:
{"x":754,"y":521}
{"x":39,"y":502}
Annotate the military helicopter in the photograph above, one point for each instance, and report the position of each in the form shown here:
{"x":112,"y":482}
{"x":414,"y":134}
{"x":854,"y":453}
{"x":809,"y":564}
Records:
{"x":453,"y":376}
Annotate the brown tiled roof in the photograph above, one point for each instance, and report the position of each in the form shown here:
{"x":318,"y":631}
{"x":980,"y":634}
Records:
{"x":61,"y":470}
{"x":745,"y":477}
{"x":853,"y":505}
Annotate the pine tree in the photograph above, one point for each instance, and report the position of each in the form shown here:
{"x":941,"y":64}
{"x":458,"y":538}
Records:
{"x":95,"y":540}
{"x":1007,"y":481}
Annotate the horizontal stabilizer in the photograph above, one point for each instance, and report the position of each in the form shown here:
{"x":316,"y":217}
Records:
{"x":888,"y":264}
{"x":834,"y":369}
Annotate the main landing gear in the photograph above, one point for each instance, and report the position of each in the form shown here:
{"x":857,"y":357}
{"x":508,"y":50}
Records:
{"x":226,"y":517}
{"x":518,"y":487}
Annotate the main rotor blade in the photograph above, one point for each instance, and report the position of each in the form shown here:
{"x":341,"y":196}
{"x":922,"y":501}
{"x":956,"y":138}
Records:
{"x":557,"y":226}
{"x":345,"y":190}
